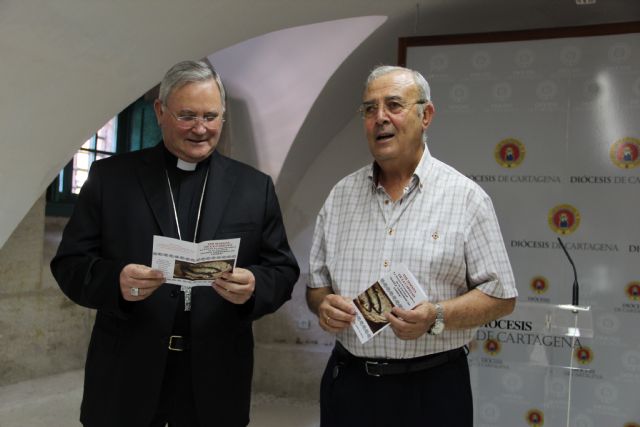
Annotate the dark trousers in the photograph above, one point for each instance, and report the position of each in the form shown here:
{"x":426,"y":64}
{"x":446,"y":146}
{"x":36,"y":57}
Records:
{"x":438,"y":396}
{"x":177,"y":406}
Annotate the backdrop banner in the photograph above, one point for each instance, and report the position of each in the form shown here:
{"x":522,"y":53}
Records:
{"x":549,"y":125}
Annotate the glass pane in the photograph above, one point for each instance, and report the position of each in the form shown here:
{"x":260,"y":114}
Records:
{"x":61,"y":181}
{"x":106,"y":136}
{"x":90,"y":144}
{"x":103,"y":140}
{"x":81,"y":160}
{"x":79,"y":177}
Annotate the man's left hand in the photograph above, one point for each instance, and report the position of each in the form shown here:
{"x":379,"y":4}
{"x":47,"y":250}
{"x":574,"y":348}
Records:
{"x":411,"y":324}
{"x":237,"y":286}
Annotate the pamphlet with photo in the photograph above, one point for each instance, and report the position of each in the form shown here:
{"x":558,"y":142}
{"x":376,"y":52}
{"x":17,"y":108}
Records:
{"x":193,"y":264}
{"x":399,"y":288}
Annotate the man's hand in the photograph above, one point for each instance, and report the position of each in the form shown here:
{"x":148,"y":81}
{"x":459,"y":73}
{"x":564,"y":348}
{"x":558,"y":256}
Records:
{"x":138,"y":281}
{"x":335,"y":313}
{"x":412,"y":324}
{"x":236,"y":286}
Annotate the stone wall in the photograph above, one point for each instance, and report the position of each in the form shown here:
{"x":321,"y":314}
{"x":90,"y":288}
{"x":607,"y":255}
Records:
{"x":42,"y":331}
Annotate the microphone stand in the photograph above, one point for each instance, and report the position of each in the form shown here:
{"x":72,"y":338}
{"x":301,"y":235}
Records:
{"x":575,"y":289}
{"x":574,"y":302}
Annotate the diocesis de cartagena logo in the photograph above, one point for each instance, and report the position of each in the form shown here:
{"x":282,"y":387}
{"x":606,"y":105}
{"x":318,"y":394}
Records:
{"x":535,"y":418}
{"x":584,"y":355}
{"x":539,"y":285}
{"x":564,"y":219}
{"x":633,"y":291}
{"x":491,"y":347}
{"x":625,"y":153}
{"x":509,"y":153}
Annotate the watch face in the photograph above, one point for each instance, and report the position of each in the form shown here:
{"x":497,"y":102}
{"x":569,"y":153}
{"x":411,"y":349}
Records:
{"x":437,"y":328}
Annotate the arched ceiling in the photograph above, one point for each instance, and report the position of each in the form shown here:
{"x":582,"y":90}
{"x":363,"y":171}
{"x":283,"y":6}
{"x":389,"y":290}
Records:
{"x":273,"y":81}
{"x":67,"y":66}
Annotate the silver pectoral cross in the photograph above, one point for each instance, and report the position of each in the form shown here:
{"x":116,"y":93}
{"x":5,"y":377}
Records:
{"x":187,"y":297}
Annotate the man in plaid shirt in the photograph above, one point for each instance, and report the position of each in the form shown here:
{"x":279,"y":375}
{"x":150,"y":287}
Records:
{"x":406,"y":207}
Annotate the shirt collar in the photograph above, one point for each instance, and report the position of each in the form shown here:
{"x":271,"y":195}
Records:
{"x":419,"y":174}
{"x":172,"y":163}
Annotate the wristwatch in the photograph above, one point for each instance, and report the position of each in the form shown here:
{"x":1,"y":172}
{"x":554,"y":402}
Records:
{"x":438,"y":325}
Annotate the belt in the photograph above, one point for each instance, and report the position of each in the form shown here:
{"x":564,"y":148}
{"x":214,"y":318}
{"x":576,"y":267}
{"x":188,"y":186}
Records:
{"x":179,"y":343}
{"x":381,"y":367}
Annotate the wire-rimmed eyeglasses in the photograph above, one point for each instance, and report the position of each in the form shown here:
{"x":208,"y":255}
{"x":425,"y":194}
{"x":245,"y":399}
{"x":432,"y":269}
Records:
{"x":391,"y":106}
{"x":189,"y":121}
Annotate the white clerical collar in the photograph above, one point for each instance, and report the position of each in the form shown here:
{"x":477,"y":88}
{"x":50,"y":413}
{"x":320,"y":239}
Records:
{"x":186,"y":166}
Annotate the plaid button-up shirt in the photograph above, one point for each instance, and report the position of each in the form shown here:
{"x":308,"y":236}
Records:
{"x":444,"y":229}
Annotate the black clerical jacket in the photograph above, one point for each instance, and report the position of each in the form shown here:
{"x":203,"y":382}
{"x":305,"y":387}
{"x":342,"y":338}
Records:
{"x":123,"y":204}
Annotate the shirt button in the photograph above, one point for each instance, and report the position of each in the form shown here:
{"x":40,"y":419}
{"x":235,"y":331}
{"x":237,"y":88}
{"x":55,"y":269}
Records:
{"x":386,"y":202}
{"x":390,"y":231}
{"x":386,"y":263}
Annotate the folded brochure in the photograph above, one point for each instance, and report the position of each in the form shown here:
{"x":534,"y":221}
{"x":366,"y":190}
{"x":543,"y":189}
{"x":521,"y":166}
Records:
{"x":193,"y":264}
{"x":398,"y":288}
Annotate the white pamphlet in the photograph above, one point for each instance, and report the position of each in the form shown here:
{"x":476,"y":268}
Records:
{"x":399,"y":288}
{"x":193,"y":264}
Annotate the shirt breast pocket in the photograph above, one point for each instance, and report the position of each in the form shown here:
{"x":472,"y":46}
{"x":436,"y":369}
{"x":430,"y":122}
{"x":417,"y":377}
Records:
{"x":441,"y":256}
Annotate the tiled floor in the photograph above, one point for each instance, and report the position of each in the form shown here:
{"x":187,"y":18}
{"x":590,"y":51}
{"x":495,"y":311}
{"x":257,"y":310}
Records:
{"x":55,"y":401}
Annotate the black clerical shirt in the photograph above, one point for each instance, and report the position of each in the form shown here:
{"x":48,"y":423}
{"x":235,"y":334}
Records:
{"x":187,"y":187}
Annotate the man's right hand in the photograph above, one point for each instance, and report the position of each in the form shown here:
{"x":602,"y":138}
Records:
{"x":335,"y":312}
{"x":138,"y":281}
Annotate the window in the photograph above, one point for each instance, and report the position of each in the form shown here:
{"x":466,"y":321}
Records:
{"x":133,"y":129}
{"x":101,"y":145}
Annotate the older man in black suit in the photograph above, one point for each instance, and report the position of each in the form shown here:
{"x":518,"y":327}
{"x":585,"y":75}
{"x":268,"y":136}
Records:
{"x":158,"y":354}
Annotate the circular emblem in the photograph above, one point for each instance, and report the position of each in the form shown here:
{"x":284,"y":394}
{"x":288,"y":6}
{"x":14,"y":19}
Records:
{"x":557,"y":387}
{"x":564,"y":219}
{"x":490,"y":412}
{"x":625,"y":153}
{"x":480,"y":60}
{"x":509,"y":153}
{"x":633,"y":291}
{"x":570,"y":55}
{"x":524,"y":58}
{"x":459,"y":93}
{"x":547,"y":90}
{"x":539,"y":285}
{"x":607,"y":393}
{"x":512,"y":382}
{"x":631,"y":360}
{"x":501,"y":91}
{"x":535,"y":417}
{"x":619,"y":53}
{"x":583,"y":355}
{"x":582,"y":420}
{"x":608,"y":324}
{"x":439,"y":62}
{"x":491,"y":347}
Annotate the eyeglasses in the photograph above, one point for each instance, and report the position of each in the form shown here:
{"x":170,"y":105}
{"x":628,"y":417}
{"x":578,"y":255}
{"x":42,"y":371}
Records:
{"x":392,"y":106}
{"x":189,"y":121}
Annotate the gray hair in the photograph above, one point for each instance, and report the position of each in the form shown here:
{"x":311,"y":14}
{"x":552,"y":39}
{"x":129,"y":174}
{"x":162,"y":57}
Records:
{"x":424,"y":91}
{"x":189,"y":72}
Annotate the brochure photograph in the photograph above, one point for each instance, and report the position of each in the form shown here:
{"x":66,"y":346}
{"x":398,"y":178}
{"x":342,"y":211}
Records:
{"x":193,"y":264}
{"x":399,"y":288}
